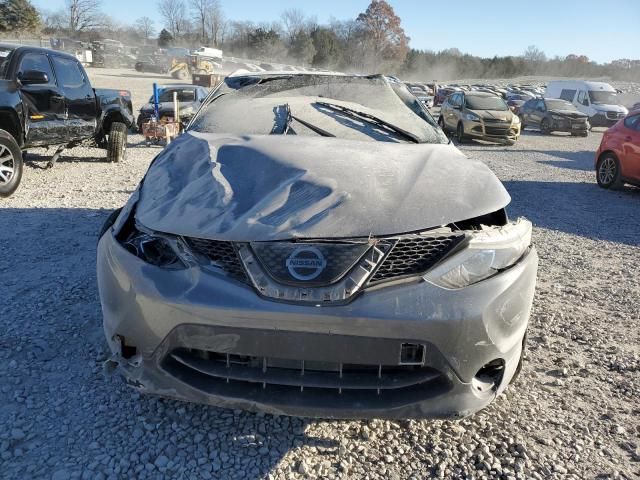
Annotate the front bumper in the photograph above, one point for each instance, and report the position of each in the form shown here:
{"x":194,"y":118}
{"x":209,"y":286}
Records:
{"x":492,"y":132}
{"x":160,"y":312}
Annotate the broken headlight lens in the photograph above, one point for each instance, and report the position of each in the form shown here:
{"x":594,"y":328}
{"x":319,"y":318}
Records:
{"x":489,"y":251}
{"x":152,"y":249}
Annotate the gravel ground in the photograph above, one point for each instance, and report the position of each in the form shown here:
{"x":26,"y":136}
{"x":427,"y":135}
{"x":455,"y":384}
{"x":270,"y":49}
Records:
{"x":573,"y":413}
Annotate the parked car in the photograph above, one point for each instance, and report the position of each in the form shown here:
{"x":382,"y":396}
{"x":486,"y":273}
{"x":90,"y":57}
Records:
{"x":553,"y":115}
{"x":319,"y":256}
{"x":443,"y":93}
{"x":618,"y":157}
{"x":598,"y":100}
{"x":46,"y":99}
{"x":153,"y":64}
{"x":514,"y":106}
{"x":479,"y":115}
{"x":190,"y":98}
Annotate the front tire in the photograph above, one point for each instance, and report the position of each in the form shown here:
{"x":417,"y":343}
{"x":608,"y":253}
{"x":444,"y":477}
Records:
{"x":545,"y":126}
{"x":117,"y":142}
{"x":443,"y":127}
{"x":460,"y":133}
{"x":10,"y":164}
{"x":608,"y":172}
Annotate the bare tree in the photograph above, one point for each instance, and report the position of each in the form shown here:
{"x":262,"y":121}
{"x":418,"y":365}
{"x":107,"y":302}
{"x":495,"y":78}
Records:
{"x":216,"y":23}
{"x":201,"y":9}
{"x":144,"y":27}
{"x":293,"y":22}
{"x":84,"y":14}
{"x":173,"y":13}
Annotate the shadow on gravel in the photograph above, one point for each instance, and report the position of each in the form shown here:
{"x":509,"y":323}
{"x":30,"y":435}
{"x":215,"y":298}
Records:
{"x":578,"y":160}
{"x":582,"y":209}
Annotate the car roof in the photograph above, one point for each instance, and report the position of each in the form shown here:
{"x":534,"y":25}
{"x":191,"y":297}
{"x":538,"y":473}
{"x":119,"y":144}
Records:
{"x":179,"y":85}
{"x":16,"y":46}
{"x":476,"y":93}
{"x":284,"y":73}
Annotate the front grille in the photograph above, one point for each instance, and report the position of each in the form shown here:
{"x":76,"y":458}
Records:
{"x":222,"y":254}
{"x":415,"y":254}
{"x":614,"y":115}
{"x":496,"y":130}
{"x":295,"y":375}
{"x":496,"y":120}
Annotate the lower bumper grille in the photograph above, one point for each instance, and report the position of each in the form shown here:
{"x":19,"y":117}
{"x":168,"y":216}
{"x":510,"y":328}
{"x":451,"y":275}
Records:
{"x":496,"y":130}
{"x":299,"y":375}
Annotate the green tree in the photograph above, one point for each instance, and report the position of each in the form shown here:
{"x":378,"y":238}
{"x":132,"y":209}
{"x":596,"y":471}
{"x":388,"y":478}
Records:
{"x":329,"y":50}
{"x":18,"y":15}
{"x":265,"y":44}
{"x":165,"y":39}
{"x":302,"y":48}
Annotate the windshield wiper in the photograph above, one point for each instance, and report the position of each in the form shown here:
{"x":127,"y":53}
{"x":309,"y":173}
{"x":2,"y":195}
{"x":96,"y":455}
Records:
{"x":291,"y":118}
{"x":373,"y":120}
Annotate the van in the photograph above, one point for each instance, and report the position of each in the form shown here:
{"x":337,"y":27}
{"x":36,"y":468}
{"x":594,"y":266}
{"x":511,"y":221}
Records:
{"x":599,"y":100}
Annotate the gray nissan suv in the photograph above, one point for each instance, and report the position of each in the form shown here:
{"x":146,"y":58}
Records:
{"x":313,"y":245}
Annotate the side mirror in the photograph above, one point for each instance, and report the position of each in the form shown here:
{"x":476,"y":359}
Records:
{"x":33,"y":77}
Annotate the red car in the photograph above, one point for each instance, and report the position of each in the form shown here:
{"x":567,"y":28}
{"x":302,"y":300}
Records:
{"x":618,"y":158}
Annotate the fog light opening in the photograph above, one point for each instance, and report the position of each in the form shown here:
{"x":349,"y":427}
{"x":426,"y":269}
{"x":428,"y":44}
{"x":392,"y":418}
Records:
{"x":412,"y":354}
{"x":126,"y":351}
{"x":489,"y":377}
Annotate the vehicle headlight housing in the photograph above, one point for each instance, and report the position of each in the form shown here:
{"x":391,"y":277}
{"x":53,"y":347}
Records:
{"x":489,"y":251}
{"x":515,"y":120}
{"x":472,"y":117}
{"x":557,"y":118}
{"x":153,"y":249}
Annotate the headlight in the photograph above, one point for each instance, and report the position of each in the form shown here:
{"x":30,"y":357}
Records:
{"x":516,"y":119}
{"x":152,"y":249}
{"x":489,"y":251}
{"x":557,"y":118}
{"x":472,"y":117}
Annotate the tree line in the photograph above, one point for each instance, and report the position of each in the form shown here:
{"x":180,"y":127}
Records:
{"x":374,"y":41}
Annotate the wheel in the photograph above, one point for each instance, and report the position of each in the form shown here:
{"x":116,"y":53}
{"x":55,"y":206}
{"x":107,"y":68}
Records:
{"x":117,"y":143}
{"x":10,"y":164}
{"x":443,"y":127}
{"x":522,"y":124}
{"x":460,"y":133}
{"x":608,"y":172}
{"x":545,"y":126}
{"x":182,"y":74}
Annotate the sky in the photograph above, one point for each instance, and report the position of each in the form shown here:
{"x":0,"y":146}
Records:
{"x":603,"y":31}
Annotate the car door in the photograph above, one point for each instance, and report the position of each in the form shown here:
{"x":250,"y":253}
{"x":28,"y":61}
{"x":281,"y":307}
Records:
{"x":454,"y":102}
{"x":43,"y":103}
{"x":526,"y":110}
{"x":538,"y":112}
{"x":82,"y":110}
{"x":582,"y":102}
{"x":630,"y":146}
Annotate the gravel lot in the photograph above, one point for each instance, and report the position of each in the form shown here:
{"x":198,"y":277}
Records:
{"x":574,"y":412}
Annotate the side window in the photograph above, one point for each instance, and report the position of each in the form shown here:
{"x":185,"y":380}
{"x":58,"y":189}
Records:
{"x":633,"y":122}
{"x":567,"y":95}
{"x":36,"y":61}
{"x":528,"y":105}
{"x":582,"y":98}
{"x":68,"y":73}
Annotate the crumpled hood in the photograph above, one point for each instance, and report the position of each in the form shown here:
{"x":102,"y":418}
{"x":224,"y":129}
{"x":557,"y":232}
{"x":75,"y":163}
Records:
{"x":275,"y":187}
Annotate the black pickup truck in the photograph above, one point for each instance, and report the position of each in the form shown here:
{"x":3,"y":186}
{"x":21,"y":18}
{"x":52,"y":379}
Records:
{"x":46,"y":100}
